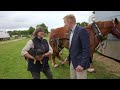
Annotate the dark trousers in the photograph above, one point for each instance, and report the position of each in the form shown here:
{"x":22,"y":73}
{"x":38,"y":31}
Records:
{"x":47,"y":73}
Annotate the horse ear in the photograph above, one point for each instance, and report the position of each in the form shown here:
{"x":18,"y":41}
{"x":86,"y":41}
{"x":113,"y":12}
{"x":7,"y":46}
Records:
{"x":116,"y":20}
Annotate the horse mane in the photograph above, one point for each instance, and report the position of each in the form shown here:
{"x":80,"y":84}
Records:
{"x":101,"y":24}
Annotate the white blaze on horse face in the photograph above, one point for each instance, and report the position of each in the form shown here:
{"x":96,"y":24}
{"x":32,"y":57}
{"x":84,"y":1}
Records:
{"x":118,"y":26}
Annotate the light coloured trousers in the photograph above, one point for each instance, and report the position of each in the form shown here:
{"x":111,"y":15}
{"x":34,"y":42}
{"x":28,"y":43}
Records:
{"x":77,"y":75}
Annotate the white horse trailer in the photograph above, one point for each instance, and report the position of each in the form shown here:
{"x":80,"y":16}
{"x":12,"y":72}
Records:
{"x":4,"y":35}
{"x":112,"y":44}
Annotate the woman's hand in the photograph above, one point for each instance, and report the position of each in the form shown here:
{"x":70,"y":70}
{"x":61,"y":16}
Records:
{"x":47,"y":54}
{"x":39,"y":57}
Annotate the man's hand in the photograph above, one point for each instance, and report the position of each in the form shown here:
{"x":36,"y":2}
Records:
{"x":79,"y":68}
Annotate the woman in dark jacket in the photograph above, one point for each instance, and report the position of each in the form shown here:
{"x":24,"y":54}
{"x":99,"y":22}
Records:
{"x":39,"y":63}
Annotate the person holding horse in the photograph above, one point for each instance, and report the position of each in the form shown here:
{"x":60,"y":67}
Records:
{"x":79,"y":48}
{"x":37,"y":52}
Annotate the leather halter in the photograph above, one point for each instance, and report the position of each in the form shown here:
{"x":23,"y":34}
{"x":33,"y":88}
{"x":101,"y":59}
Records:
{"x":115,"y":31}
{"x":97,"y":31}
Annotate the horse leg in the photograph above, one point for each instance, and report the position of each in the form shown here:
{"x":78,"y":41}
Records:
{"x":66,"y":45}
{"x":91,"y":69}
{"x":59,"y":57}
{"x":54,"y":64}
{"x":67,"y":59}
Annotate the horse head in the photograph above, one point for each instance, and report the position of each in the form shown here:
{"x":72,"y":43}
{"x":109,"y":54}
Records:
{"x":116,"y":28}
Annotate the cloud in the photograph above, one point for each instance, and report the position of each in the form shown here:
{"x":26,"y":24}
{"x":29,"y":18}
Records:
{"x":25,"y":19}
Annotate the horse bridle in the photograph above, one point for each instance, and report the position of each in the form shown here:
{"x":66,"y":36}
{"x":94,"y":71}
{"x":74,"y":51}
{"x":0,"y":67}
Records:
{"x":54,"y":39}
{"x":98,"y":35}
{"x":97,"y":32}
{"x":114,"y":27}
{"x":57,"y":40}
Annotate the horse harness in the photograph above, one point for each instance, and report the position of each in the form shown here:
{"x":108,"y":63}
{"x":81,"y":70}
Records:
{"x":98,"y":34}
{"x":114,"y":28}
{"x":57,"y":40}
{"x":97,"y":31}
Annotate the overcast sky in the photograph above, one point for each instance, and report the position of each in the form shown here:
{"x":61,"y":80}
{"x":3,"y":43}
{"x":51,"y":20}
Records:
{"x":20,"y":20}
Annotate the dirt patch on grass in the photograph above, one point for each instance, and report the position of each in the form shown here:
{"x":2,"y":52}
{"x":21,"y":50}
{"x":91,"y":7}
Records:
{"x":12,"y":40}
{"x":110,"y":64}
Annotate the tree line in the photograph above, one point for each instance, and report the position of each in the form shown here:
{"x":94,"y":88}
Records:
{"x":31,"y":29}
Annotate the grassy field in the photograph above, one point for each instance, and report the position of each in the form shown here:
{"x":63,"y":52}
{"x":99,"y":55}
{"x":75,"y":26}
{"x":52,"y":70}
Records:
{"x":13,"y":66}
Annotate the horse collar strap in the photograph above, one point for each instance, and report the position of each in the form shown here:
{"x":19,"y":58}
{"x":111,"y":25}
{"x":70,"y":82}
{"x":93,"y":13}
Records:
{"x":97,"y":31}
{"x":95,"y":27}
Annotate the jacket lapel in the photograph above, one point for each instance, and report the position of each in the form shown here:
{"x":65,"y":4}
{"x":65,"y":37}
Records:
{"x":75,"y":32}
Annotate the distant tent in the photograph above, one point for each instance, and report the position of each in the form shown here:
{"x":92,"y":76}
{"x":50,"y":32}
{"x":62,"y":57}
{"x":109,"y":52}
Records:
{"x":4,"y":35}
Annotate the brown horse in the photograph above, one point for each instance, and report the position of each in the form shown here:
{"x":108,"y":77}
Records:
{"x":59,"y":37}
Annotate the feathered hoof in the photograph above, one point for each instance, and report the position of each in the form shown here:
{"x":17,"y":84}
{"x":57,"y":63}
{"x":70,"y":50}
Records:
{"x":91,"y":70}
{"x":55,"y":65}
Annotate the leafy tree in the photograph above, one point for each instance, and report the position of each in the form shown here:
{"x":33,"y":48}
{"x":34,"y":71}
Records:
{"x":44,"y":26}
{"x":82,"y":24}
{"x":78,"y":23}
{"x":10,"y":33}
{"x":15,"y":32}
{"x":31,"y":30}
{"x":25,"y":33}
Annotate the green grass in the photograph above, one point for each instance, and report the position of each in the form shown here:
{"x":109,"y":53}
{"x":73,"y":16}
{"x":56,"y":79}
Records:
{"x":13,"y":66}
{"x":102,"y":72}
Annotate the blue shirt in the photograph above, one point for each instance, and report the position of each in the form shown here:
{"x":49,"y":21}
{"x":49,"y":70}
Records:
{"x":71,"y":35}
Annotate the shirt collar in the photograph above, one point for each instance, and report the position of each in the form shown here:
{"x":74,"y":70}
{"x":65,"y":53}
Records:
{"x":40,"y":38}
{"x":73,"y":29}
